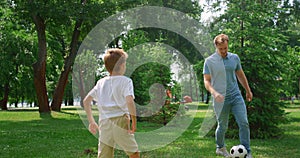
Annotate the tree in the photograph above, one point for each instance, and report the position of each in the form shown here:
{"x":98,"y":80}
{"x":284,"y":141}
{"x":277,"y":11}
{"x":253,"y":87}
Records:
{"x":39,"y":67}
{"x":151,"y":79}
{"x":15,"y":56}
{"x":289,"y":23}
{"x":54,"y":45}
{"x":55,"y":15}
{"x":5,"y":55}
{"x":69,"y":60}
{"x":84,"y":74}
{"x":199,"y":70}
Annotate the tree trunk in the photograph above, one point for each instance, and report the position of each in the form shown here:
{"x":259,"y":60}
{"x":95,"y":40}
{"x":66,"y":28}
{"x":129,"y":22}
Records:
{"x":207,"y":97}
{"x":63,"y":79}
{"x":59,"y":90}
{"x":71,"y":100}
{"x":69,"y":95}
{"x":39,"y":68}
{"x":202,"y":94}
{"x":3,"y":102}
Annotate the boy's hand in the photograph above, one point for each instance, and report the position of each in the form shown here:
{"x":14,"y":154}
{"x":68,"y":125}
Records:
{"x":93,"y":127}
{"x":133,"y":128}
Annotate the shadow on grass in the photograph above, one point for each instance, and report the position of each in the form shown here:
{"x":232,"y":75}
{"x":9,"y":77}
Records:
{"x":54,"y":131}
{"x":46,"y":115}
{"x":22,"y":109}
{"x":202,"y":106}
{"x":69,"y":113}
{"x":293,"y":107}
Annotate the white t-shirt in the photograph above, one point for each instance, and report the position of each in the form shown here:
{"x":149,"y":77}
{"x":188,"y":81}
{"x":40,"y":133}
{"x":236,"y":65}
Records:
{"x":110,"y":93}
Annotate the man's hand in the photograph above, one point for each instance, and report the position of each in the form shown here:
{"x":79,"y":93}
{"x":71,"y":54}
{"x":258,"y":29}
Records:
{"x":249,"y":96}
{"x":218,"y":97}
{"x":93,"y":127}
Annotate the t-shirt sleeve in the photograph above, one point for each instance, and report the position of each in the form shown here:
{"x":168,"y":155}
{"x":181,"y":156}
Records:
{"x":205,"y":68}
{"x":129,"y":89}
{"x":93,"y":93}
{"x":238,"y":65}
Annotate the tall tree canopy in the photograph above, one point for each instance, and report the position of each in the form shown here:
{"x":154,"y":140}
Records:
{"x":51,"y":32}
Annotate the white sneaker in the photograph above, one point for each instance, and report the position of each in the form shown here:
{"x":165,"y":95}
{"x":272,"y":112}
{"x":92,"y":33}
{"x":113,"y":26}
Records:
{"x":222,"y":152}
{"x":249,"y":155}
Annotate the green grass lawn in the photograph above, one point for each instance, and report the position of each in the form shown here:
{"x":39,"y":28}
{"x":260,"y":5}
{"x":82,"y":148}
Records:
{"x":26,"y":134}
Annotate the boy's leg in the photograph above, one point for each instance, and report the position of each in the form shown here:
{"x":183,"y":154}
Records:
{"x":135,"y":155}
{"x":105,"y":151}
{"x":240,"y":113}
{"x":125,"y":140}
{"x":106,"y":142}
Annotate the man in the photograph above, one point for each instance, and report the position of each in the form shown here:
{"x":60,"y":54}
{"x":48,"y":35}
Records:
{"x":221,"y":71}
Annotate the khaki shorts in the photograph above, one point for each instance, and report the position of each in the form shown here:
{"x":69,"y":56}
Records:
{"x":113,"y":131}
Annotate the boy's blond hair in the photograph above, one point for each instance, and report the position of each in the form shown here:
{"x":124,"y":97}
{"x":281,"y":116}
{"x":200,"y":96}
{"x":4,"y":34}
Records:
{"x":113,"y":58}
{"x":220,"y":39}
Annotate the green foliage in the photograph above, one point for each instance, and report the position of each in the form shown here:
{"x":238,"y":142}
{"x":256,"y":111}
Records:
{"x":199,"y":72}
{"x":165,"y":114}
{"x":60,"y":17}
{"x":265,"y":118}
{"x":15,"y":57}
{"x":84,"y":73}
{"x":291,"y":79}
{"x":147,"y":75}
{"x":147,"y":64}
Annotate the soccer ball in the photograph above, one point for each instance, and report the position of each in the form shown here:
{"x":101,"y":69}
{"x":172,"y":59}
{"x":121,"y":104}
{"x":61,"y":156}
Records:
{"x":238,"y":151}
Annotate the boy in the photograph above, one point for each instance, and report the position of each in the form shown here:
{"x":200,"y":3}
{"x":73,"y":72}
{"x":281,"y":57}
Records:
{"x":115,"y":98}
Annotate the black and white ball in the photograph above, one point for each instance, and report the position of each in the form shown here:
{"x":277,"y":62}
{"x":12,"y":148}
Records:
{"x":238,"y":151}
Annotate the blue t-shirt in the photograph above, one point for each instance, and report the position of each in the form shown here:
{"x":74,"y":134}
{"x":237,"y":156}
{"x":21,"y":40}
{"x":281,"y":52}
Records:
{"x":222,"y":71}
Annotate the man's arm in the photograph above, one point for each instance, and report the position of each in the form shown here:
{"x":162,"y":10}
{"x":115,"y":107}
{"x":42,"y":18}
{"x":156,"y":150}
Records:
{"x":207,"y":83}
{"x":244,"y":82}
{"x":93,"y":126}
{"x":132,"y":112}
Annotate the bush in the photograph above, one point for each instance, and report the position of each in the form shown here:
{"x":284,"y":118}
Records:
{"x":263,"y":118}
{"x":165,"y":114}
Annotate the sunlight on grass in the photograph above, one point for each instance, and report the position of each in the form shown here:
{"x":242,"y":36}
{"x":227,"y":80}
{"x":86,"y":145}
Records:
{"x":63,"y":135}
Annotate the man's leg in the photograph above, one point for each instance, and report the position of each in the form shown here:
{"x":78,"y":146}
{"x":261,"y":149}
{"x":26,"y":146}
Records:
{"x":222,"y":114}
{"x":240,"y":113}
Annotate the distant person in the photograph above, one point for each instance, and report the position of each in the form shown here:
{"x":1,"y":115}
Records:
{"x":221,"y":72}
{"x":115,"y":99}
{"x":293,"y":99}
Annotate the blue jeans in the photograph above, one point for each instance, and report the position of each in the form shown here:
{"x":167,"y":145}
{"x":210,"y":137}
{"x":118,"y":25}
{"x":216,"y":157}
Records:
{"x":235,"y":104}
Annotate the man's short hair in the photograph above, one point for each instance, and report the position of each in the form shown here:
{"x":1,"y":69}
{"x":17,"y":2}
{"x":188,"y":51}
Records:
{"x":222,"y":38}
{"x":113,"y":58}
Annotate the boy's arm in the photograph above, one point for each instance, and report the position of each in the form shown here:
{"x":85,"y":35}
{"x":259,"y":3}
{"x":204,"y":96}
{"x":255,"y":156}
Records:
{"x":207,"y":83}
{"x":244,"y":82}
{"x":132,"y":112}
{"x":93,"y":126}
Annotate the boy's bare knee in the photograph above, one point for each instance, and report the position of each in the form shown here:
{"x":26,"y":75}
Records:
{"x":135,"y":155}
